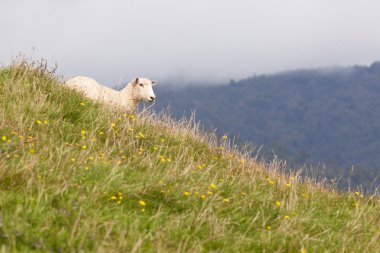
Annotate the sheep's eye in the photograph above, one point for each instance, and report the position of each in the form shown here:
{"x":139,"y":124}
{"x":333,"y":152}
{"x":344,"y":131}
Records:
{"x":142,"y":85}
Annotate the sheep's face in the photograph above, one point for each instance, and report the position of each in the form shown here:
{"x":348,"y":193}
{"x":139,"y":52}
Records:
{"x":143,"y":89}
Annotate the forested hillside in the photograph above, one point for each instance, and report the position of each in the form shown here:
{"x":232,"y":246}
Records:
{"x":325,"y":116}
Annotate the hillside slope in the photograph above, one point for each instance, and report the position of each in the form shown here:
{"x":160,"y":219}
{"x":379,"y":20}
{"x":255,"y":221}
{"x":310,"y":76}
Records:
{"x":76,"y":176}
{"x":329,"y":116}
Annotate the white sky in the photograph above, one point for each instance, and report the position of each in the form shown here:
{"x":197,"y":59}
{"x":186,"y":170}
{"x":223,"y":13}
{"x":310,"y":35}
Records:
{"x":199,"y":40}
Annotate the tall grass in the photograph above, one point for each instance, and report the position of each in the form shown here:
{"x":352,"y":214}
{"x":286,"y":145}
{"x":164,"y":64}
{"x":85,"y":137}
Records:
{"x":77,"y":176}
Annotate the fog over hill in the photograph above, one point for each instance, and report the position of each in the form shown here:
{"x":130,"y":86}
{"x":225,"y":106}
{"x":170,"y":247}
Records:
{"x":327,"y":116}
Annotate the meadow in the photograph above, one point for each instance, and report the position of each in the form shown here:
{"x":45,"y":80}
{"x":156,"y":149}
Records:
{"x":77,"y":176}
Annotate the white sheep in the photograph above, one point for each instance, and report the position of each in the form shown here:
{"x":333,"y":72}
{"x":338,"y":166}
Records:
{"x":135,"y":91}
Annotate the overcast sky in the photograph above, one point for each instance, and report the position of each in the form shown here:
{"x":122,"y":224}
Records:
{"x":214,"y":40}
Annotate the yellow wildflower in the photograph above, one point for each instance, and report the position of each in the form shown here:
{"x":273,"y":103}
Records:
{"x":142,"y":203}
{"x":225,"y":137}
{"x":278,"y":203}
{"x":210,"y":193}
{"x":203,"y":196}
{"x":4,"y":138}
{"x":212,"y":186}
{"x":113,"y":197}
{"x":186,"y":194}
{"x":226,"y":200}
{"x":286,"y":217}
{"x":84,"y":146}
{"x":38,"y":122}
{"x":141,"y":135}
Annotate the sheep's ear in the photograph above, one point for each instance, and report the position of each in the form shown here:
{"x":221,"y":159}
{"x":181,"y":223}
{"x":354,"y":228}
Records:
{"x":153,"y":82}
{"x":136,"y":81}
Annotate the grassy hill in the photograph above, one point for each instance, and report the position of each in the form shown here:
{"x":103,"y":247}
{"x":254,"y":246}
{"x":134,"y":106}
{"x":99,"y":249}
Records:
{"x":76,"y":176}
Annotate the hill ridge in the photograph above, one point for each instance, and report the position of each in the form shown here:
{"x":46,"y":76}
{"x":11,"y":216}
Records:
{"x":76,"y":176}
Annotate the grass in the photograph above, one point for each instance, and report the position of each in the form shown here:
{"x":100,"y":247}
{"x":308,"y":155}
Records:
{"x":76,"y":176}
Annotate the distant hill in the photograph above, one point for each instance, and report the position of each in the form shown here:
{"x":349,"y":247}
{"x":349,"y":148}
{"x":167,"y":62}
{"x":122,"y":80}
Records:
{"x":328,"y":115}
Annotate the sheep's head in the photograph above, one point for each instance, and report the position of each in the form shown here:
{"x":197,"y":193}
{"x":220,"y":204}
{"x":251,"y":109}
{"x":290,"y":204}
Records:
{"x":143,"y":89}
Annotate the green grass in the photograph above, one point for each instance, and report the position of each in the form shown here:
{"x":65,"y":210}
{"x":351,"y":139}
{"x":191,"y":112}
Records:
{"x":76,"y":176}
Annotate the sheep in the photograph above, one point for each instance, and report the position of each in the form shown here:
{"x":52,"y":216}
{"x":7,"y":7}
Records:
{"x":127,"y":99}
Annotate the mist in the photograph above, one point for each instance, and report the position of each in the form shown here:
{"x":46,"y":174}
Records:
{"x":196,"y":41}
